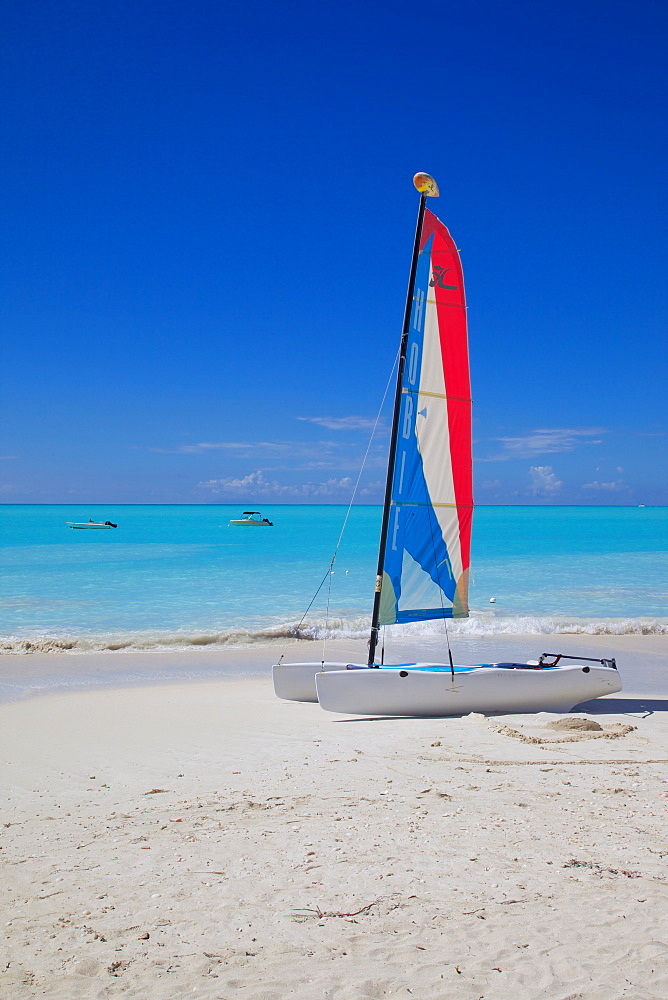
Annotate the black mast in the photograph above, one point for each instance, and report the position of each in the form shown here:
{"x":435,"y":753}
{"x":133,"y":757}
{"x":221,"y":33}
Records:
{"x":427,"y":187}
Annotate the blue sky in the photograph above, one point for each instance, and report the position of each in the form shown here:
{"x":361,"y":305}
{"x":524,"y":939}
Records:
{"x":208,"y":214}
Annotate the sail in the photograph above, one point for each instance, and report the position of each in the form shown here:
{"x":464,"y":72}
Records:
{"x":425,"y":571}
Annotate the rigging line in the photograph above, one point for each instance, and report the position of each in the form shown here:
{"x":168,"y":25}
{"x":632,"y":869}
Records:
{"x":321,"y":585}
{"x":329,"y":595}
{"x":447,"y":639}
{"x":354,"y":493}
{"x":366,"y":453}
{"x":440,"y":588}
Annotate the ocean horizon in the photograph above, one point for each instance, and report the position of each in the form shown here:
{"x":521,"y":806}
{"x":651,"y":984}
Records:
{"x":178,"y":576}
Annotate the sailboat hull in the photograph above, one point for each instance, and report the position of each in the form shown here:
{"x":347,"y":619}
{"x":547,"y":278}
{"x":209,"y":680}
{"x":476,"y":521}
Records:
{"x":434,"y":692}
{"x":296,"y":681}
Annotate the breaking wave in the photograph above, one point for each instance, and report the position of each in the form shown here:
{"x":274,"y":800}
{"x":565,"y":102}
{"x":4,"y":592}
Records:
{"x":357,"y":627}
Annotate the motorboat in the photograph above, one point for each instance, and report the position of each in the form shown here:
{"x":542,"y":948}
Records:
{"x":91,"y":524}
{"x":252,"y":519}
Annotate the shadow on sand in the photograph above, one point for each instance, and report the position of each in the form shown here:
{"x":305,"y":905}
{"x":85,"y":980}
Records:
{"x":597,"y":706}
{"x":623,"y":706}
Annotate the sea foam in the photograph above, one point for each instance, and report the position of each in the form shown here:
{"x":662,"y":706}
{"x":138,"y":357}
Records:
{"x":354,"y":628}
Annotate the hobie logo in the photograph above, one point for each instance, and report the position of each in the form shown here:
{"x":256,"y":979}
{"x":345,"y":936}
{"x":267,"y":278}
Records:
{"x":417,"y":309}
{"x":408,"y":416}
{"x":439,"y":278}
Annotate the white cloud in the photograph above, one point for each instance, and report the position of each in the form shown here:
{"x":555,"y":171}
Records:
{"x":255,"y":484}
{"x":229,"y":485}
{"x":613,"y":487}
{"x":333,"y":487}
{"x":373,"y":489}
{"x":545,"y":441}
{"x":544,"y":481}
{"x":332,"y":453}
{"x":203,"y":446}
{"x":342,"y":423}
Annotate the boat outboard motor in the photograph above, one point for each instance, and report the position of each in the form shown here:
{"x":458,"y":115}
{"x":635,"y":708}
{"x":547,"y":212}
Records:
{"x":110,"y":524}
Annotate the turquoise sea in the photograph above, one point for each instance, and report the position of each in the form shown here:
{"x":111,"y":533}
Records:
{"x":176,"y":577}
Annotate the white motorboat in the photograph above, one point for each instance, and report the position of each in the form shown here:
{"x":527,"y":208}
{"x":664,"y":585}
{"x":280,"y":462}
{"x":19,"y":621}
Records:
{"x":424,"y":551}
{"x":91,"y":524}
{"x":253,"y":519}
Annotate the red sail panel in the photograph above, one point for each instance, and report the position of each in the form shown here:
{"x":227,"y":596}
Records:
{"x":448,"y":278}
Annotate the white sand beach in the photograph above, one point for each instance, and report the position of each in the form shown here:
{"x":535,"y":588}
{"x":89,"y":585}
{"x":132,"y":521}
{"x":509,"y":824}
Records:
{"x":204,"y":839}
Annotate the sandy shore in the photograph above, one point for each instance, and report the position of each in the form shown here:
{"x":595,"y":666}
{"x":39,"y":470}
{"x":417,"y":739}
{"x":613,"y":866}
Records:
{"x":642,"y":659}
{"x":205,"y":839}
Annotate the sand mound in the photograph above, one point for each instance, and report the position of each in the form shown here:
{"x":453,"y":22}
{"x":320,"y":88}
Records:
{"x":578,"y":724}
{"x":575,"y":729}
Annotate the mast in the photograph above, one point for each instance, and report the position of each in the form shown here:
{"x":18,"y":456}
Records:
{"x":428,"y":188}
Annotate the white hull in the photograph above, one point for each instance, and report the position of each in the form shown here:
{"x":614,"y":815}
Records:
{"x":84,"y":525}
{"x":296,"y":681}
{"x":252,"y":524}
{"x":422,"y":693}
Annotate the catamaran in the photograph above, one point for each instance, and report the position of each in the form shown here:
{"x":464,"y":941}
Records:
{"x":425,"y":539}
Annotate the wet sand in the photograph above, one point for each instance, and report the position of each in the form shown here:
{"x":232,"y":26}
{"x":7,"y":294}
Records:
{"x":642,"y":660}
